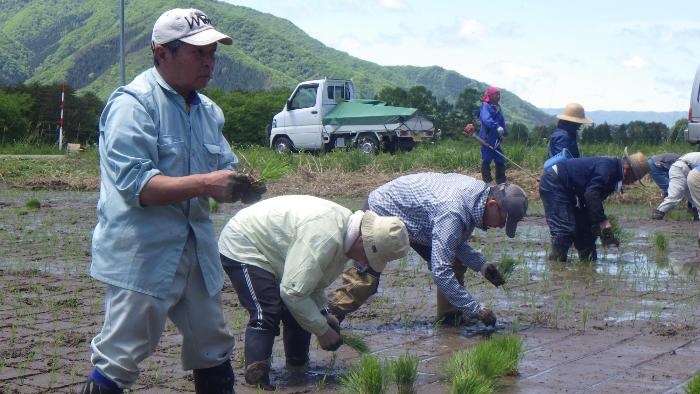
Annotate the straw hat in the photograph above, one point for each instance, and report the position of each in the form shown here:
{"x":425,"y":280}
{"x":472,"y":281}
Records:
{"x":573,"y":112}
{"x":384,"y":239}
{"x":638,"y":163}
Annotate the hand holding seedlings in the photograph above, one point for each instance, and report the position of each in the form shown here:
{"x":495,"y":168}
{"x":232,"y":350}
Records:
{"x":247,"y":189}
{"x":331,"y":340}
{"x":491,"y":273}
{"x":487,"y":317}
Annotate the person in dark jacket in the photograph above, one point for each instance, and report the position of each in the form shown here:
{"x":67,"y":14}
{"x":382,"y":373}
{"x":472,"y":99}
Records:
{"x":566,"y":133}
{"x":493,"y":130}
{"x":573,"y":192}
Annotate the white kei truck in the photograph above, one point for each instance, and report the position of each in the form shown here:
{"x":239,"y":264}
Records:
{"x":323,"y":114}
{"x":692,"y":133}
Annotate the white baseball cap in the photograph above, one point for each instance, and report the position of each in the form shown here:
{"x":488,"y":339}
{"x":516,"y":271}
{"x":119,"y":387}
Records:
{"x":187,"y":25}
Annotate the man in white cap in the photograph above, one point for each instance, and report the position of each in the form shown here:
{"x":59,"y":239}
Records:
{"x":162,"y":156}
{"x":565,"y":135}
{"x":281,"y":254}
{"x":440,"y":212}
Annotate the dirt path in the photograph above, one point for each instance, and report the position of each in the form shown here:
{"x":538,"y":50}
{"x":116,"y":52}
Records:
{"x":628,"y":323}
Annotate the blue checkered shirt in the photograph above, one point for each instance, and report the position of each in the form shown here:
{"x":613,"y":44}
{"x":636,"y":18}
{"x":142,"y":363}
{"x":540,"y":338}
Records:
{"x":439,"y":210}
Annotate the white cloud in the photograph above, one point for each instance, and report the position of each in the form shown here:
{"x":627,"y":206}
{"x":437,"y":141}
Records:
{"x":634,"y":61}
{"x":392,"y":4}
{"x":471,"y":28}
{"x":515,"y":70}
{"x":348,"y":44}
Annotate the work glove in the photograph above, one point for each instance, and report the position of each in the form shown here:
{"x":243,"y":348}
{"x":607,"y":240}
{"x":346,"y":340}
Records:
{"x":500,"y":131}
{"x":657,"y":215}
{"x":487,"y":317}
{"x":491,"y":273}
{"x":607,"y":238}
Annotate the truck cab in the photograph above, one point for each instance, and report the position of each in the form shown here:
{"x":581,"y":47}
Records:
{"x":692,"y":133}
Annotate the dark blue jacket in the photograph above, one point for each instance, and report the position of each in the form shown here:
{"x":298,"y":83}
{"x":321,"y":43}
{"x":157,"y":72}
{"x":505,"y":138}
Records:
{"x":491,"y":117}
{"x":562,"y":138}
{"x":591,"y":180}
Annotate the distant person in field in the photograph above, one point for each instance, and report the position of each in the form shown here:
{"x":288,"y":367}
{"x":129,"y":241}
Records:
{"x":573,"y":192}
{"x":493,"y":130}
{"x":659,"y":166}
{"x":677,"y":184}
{"x":565,"y":135}
{"x":694,"y":187}
{"x":281,"y":254}
{"x":440,"y":211}
{"x":162,"y":156}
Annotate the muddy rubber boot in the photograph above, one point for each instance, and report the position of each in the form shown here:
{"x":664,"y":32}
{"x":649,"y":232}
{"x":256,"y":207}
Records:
{"x":500,"y":173}
{"x":215,"y":380}
{"x":98,"y":384}
{"x":486,"y":172}
{"x":694,"y":212}
{"x":447,"y":314}
{"x":355,"y":289}
{"x":588,"y":254}
{"x":258,"y":351}
{"x":296,"y":348}
{"x":558,"y":254}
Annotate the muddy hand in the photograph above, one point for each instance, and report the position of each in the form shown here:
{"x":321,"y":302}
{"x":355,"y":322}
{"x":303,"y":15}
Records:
{"x":333,"y":322}
{"x":330,"y":341}
{"x":607,"y":238}
{"x":487,"y":317}
{"x":491,"y":273}
{"x":251,"y":189}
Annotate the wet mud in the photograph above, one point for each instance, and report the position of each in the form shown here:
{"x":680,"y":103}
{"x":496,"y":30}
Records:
{"x":627,"y":323}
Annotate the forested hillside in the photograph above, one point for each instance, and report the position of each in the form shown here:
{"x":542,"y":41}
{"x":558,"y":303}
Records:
{"x":76,"y":42}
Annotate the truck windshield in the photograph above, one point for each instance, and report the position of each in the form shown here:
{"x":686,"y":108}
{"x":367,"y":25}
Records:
{"x":305,"y":97}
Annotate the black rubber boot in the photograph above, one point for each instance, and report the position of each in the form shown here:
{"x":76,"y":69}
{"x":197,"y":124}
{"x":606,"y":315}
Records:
{"x":558,"y":253}
{"x":500,"y":173}
{"x":296,"y":345}
{"x":486,"y":172}
{"x":588,"y":254}
{"x":215,"y":380}
{"x":258,"y":351}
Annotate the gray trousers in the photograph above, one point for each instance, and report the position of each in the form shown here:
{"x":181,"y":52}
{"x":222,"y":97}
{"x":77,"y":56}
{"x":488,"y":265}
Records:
{"x":134,"y":323}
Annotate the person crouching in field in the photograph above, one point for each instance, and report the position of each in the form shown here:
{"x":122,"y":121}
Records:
{"x":440,"y":211}
{"x":677,"y":184}
{"x":694,"y":187}
{"x":573,"y":192}
{"x":281,"y":254}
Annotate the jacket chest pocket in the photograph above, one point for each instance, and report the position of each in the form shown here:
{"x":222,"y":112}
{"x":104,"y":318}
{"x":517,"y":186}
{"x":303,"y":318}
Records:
{"x":171,"y":156}
{"x":212,"y":156}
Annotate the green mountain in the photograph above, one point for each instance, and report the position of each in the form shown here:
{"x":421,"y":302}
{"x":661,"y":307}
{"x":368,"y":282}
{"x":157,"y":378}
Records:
{"x":77,"y":42}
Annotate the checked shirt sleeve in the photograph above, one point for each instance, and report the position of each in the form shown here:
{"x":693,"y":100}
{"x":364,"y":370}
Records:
{"x":448,"y":238}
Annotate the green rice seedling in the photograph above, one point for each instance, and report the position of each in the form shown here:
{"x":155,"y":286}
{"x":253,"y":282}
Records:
{"x":693,"y":387}
{"x":213,"y":206}
{"x":33,"y":204}
{"x":496,"y":357}
{"x":404,"y":371}
{"x":507,"y":265}
{"x":585,"y":315}
{"x":355,"y":342}
{"x":660,"y":243}
{"x":471,"y":383}
{"x":367,"y":377}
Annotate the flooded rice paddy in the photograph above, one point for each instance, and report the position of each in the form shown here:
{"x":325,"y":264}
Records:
{"x":628,"y":323}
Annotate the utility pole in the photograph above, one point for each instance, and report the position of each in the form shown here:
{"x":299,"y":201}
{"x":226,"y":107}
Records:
{"x":122,"y":63}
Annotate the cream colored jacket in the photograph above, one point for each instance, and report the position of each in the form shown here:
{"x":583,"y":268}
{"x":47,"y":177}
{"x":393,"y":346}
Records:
{"x":299,"y":239}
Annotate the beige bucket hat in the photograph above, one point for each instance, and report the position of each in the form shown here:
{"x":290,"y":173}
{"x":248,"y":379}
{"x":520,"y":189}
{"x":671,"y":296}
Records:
{"x":384,"y":239}
{"x":573,"y":112}
{"x":640,"y":165}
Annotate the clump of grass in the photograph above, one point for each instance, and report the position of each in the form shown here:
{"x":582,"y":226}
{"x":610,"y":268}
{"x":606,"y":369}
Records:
{"x":404,"y":371}
{"x":693,"y":386}
{"x":365,"y":378}
{"x":273,"y":169}
{"x":615,"y":226}
{"x":33,"y":204}
{"x":471,"y":383}
{"x":660,"y":242}
{"x":487,"y":361}
{"x":507,"y":265}
{"x":213,"y":206}
{"x":355,"y":342}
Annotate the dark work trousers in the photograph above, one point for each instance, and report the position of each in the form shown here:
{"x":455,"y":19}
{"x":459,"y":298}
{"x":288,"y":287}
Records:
{"x":568,"y":223}
{"x":259,"y":293}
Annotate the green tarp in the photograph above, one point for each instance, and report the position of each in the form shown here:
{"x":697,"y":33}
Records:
{"x":357,"y":112}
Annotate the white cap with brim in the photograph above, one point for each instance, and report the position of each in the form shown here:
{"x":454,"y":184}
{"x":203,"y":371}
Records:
{"x":187,"y":25}
{"x":384,"y":239}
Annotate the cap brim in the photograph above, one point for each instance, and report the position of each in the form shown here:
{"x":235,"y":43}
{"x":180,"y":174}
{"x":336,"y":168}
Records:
{"x":575,"y":119}
{"x":207,"y":37}
{"x":511,"y":226}
{"x":635,"y":171}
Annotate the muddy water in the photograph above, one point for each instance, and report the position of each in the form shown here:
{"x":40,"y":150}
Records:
{"x":628,"y":323}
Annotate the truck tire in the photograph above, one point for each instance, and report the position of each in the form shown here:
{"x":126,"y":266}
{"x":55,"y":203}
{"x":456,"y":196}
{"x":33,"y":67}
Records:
{"x":283,"y":145}
{"x":368,"y":144}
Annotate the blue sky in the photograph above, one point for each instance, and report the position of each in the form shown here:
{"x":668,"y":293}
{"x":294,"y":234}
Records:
{"x":607,"y":55}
